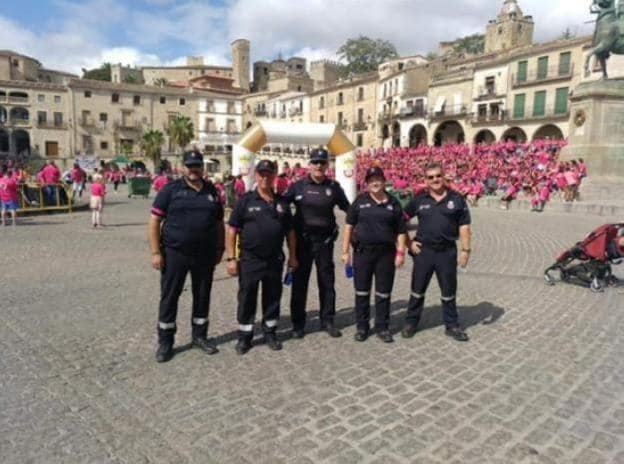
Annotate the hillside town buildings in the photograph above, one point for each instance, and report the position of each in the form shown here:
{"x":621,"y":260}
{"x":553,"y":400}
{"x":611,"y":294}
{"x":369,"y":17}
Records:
{"x":516,"y":89}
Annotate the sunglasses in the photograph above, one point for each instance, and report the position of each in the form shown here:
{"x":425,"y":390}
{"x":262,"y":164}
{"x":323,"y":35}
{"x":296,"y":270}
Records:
{"x":437,"y":176}
{"x":318,"y":162}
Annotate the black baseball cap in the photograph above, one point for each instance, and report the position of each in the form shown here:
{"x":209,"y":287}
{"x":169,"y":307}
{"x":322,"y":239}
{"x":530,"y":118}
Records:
{"x":193,"y":158}
{"x":266,"y":165}
{"x":374,"y":172}
{"x":319,"y":154}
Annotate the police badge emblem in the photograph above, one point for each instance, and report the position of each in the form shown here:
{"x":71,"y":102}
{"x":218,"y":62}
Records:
{"x":328,"y":192}
{"x":450,"y":205}
{"x":279,"y":208}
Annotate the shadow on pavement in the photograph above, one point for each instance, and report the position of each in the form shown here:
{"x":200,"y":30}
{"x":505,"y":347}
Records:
{"x":484,"y":313}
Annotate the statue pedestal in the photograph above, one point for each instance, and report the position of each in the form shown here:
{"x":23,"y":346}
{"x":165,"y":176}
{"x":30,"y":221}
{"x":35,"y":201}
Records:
{"x":597,"y":127}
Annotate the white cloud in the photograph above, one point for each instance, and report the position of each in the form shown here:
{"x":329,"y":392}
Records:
{"x":83,"y":34}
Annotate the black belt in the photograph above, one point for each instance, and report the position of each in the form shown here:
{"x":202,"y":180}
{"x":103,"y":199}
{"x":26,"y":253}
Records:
{"x":439,"y":246}
{"x":378,"y":248}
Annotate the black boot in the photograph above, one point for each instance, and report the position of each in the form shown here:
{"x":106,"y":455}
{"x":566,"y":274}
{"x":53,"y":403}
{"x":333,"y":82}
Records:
{"x":271,"y":340}
{"x":165,"y":351}
{"x":457,"y":333}
{"x":244,"y":342}
{"x":200,"y":339}
{"x":166,"y":338}
{"x":331,"y":330}
{"x":385,"y":336}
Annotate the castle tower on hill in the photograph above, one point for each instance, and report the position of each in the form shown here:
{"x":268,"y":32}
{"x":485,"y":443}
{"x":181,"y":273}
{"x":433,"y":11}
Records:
{"x":241,"y":64}
{"x":511,"y":29}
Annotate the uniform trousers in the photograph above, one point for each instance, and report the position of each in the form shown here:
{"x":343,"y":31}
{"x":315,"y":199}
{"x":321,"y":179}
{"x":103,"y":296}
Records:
{"x":444,"y":264}
{"x":377,"y":262}
{"x":172,"y":277}
{"x":322,"y":255}
{"x":253,"y":272}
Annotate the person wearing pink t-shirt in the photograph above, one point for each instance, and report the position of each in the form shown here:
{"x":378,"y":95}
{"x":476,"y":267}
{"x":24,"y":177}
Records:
{"x":115,"y":178}
{"x":159,"y":182}
{"x":98,"y":192}
{"x":9,"y":196}
{"x":239,"y":187}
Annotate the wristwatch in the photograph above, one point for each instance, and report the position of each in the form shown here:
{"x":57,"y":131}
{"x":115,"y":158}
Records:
{"x":466,"y":250}
{"x":231,"y":259}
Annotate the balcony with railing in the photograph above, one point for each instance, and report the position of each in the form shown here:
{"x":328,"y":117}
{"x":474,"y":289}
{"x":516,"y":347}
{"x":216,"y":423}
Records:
{"x":413,"y":112}
{"x":23,"y":100}
{"x":58,"y":125}
{"x":128,"y":125}
{"x":360,"y":126}
{"x":294,"y":112}
{"x":260,"y":112}
{"x":17,"y":121}
{"x":488,"y":93}
{"x":453,"y":111}
{"x":542,"y":76}
{"x":540,"y":113}
{"x":489,"y":118}
{"x":87,"y":121}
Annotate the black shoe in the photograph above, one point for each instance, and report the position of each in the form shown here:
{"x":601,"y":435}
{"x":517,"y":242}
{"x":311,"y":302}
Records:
{"x":361,"y":336}
{"x":408,"y":331}
{"x":271,"y":340}
{"x":164,"y":352}
{"x":298,"y":334}
{"x":204,"y":345}
{"x":243,"y":345}
{"x":457,"y":333}
{"x":332,"y":331}
{"x":385,"y":336}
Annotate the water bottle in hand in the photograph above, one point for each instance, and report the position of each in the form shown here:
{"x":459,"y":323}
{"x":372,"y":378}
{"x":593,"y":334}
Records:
{"x":349,"y":270}
{"x":288,"y":278}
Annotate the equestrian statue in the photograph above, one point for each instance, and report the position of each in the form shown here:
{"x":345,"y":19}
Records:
{"x":609,"y":32}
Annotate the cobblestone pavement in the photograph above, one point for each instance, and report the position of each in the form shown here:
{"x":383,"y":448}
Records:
{"x":542,"y":380}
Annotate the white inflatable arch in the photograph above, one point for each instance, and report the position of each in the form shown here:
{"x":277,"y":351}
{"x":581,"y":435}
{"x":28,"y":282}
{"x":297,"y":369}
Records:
{"x":244,"y":152}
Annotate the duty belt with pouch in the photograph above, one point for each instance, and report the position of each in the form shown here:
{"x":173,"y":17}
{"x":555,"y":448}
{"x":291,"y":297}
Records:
{"x":323,"y":239}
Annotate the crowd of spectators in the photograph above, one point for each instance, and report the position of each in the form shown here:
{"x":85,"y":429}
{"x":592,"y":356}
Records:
{"x":505,"y":169}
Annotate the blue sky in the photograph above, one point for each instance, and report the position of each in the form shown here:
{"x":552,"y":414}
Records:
{"x":71,"y":34}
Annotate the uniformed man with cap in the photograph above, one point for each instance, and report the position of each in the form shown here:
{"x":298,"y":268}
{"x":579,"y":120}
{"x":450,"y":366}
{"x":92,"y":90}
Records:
{"x":186,"y":235}
{"x":261,"y":219}
{"x":315,"y":198}
{"x":443,"y":218}
{"x":376,"y":229}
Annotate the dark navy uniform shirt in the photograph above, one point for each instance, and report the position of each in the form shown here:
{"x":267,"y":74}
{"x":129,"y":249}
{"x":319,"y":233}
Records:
{"x":262,"y":225}
{"x":438,"y":222}
{"x":315,"y":205}
{"x":191,"y":217}
{"x":376,"y":223}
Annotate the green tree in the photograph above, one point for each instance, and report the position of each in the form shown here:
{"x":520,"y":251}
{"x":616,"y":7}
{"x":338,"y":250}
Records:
{"x":103,"y":73}
{"x":431,"y":56}
{"x":151,"y":143}
{"x":181,"y":131}
{"x":471,"y":44}
{"x":131,"y":79}
{"x":364,"y":54}
{"x":126,"y":149}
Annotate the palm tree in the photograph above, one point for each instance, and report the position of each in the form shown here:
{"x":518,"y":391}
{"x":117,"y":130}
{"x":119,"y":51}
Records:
{"x":181,"y":131}
{"x":151,"y":143}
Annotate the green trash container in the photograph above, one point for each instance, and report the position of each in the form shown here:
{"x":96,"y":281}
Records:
{"x":139,"y":186}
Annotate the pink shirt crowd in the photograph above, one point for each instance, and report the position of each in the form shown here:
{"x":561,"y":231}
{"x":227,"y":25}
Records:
{"x":475,"y":170}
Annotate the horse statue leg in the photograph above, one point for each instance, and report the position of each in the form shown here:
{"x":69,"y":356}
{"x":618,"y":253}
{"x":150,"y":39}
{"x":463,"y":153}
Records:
{"x":588,"y":62}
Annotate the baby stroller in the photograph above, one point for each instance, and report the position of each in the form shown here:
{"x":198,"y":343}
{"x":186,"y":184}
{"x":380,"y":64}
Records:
{"x":589,"y":261}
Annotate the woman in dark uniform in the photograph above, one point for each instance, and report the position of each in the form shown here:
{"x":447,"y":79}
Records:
{"x":376,"y":229}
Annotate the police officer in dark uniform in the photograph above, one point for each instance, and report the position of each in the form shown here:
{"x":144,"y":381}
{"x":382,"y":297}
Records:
{"x":315,"y":197}
{"x":186,"y":234}
{"x":443,"y":218}
{"x":261,"y":219}
{"x":376,"y":229}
